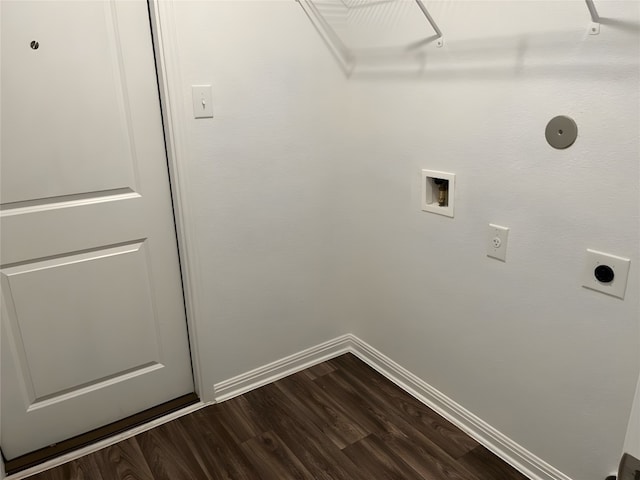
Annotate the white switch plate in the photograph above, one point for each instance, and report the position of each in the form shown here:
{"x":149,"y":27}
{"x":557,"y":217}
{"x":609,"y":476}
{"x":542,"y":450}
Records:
{"x":619,"y":265}
{"x":202,"y":101}
{"x":497,"y":241}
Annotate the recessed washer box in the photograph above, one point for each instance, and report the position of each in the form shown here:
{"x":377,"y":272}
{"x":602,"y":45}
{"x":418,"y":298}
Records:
{"x":605,"y":273}
{"x":433,"y":198}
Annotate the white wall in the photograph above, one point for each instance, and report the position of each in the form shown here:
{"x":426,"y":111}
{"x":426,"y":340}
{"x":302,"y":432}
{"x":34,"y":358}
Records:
{"x":304,"y":202}
{"x":521,"y":344}
{"x":632,"y":439}
{"x":259,"y":180}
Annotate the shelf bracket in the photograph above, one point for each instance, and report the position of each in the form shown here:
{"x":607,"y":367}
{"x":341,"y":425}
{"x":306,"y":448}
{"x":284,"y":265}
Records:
{"x":594,"y":28}
{"x":438,"y":37}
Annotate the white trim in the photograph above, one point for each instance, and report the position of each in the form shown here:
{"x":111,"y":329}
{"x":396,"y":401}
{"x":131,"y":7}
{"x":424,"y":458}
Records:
{"x":94,"y":447}
{"x":281,"y":368}
{"x":166,"y":52}
{"x":2,"y":472}
{"x":165,"y":48}
{"x":501,"y":445}
{"x":165,"y":45}
{"x":498,"y":443}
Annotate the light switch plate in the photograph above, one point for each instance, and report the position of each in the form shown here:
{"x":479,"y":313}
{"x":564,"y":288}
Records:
{"x":202,"y":101}
{"x":619,"y":266}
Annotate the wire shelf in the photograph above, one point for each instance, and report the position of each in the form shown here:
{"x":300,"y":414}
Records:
{"x":368,"y":34}
{"x":362,"y":32}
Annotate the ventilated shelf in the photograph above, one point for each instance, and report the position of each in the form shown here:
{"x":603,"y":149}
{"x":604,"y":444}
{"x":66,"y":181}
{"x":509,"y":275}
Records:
{"x":370,"y":33}
{"x":366,"y":31}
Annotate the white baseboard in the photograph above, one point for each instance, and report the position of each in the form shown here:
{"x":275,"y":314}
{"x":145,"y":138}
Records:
{"x":498,"y":443}
{"x":501,"y":445}
{"x":281,"y":368}
{"x":94,"y":447}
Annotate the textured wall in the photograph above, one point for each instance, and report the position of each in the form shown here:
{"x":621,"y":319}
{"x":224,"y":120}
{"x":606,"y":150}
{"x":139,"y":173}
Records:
{"x":305,"y":199}
{"x":521,"y":344}
{"x":260,"y":181}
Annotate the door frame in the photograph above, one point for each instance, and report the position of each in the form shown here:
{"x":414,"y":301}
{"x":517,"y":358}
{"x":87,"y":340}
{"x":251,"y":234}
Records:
{"x":172,"y":108}
{"x":167,"y":72}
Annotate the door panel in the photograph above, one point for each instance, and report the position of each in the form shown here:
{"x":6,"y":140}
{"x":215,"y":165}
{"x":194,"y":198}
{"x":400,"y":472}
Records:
{"x":88,"y":92}
{"x":102,"y":297}
{"x":92,"y":312}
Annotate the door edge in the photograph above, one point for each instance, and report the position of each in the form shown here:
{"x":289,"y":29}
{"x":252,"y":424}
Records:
{"x":162,"y":20}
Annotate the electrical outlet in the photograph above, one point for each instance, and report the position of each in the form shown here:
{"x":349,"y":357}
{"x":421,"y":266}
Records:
{"x":497,"y":242}
{"x":605,"y":273}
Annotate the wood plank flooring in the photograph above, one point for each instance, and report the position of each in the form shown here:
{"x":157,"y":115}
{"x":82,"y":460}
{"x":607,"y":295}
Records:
{"x":339,"y":420}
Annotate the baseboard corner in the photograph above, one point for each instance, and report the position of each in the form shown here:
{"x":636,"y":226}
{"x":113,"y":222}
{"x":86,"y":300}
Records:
{"x":508,"y":450}
{"x":279,"y":369}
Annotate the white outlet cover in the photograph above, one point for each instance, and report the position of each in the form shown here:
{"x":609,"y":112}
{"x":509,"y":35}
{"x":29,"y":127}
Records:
{"x":619,"y":265}
{"x":497,"y":241}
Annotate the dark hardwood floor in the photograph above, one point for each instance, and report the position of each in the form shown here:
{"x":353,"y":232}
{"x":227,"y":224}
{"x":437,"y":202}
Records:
{"x":339,"y":420}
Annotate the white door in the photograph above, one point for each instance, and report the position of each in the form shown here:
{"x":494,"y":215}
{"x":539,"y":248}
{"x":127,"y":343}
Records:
{"x":93,"y":321}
